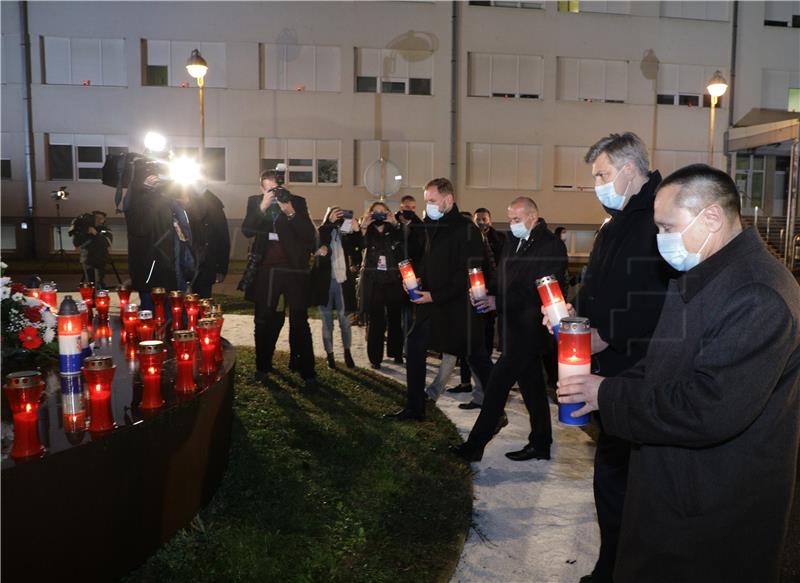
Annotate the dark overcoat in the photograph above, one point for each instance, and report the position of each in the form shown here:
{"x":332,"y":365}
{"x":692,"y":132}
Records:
{"x":376,"y":244}
{"x":451,"y":246}
{"x":713,"y":412}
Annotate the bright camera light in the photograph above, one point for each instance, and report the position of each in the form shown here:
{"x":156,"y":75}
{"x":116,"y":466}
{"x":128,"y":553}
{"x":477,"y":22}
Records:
{"x":155,"y":142}
{"x":184,"y":170}
{"x":398,"y":177}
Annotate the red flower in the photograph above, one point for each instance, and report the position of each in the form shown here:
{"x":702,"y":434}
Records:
{"x":17,"y":288}
{"x":33,"y":314}
{"x":30,"y":338}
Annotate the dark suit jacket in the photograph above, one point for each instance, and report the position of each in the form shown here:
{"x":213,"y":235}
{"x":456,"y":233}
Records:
{"x":518,"y":303}
{"x":714,"y":414}
{"x":151,"y":246}
{"x":211,"y":241}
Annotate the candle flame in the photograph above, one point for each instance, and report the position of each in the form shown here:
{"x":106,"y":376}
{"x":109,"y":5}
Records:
{"x":98,"y":387}
{"x":28,"y":407}
{"x":185,"y":356}
{"x":69,"y":326}
{"x":151,"y":370}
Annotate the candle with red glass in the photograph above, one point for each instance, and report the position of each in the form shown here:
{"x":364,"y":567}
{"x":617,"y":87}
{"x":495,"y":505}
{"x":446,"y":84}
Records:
{"x":24,"y":391}
{"x":69,"y":337}
{"x":48,"y":294}
{"x":87,"y":293}
{"x":151,"y":359}
{"x":145,"y":327}
{"x":216,"y":312}
{"x":159,"y":295}
{"x":102,"y":301}
{"x":206,"y":306}
{"x":124,"y":295}
{"x":130,"y":320}
{"x":99,"y":374}
{"x":184,"y":343}
{"x":574,"y":358}
{"x":477,"y":286}
{"x":176,"y":305}
{"x":192,"y":304}
{"x":553,"y":301}
{"x":33,"y":289}
{"x":409,"y":278}
{"x":207,"y":333}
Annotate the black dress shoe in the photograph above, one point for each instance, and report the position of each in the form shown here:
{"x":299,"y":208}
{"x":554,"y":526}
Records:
{"x":462,"y":388}
{"x":398,"y":360}
{"x":529,"y":452}
{"x":466,"y":452}
{"x":500,"y":424}
{"x":348,"y":359}
{"x":470,"y":405}
{"x":404,"y":415}
{"x":375,"y":365}
{"x":586,"y":579}
{"x":331,"y":361}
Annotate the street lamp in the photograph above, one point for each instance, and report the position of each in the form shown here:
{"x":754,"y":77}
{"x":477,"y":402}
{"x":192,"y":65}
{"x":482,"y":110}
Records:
{"x":717,"y":87}
{"x":197,"y":68}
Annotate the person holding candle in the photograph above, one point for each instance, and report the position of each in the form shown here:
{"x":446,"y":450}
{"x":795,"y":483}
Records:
{"x":623,"y":289}
{"x":449,"y":245}
{"x":531,"y":252}
{"x":380,"y":288}
{"x":713,"y":407}
{"x":285,"y":240}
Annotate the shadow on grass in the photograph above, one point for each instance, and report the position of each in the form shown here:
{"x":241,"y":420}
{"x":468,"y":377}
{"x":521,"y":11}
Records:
{"x":319,"y":488}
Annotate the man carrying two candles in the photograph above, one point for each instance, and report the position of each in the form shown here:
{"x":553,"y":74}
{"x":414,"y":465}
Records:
{"x":713,"y":407}
{"x":450,"y":245}
{"x":530,"y":253}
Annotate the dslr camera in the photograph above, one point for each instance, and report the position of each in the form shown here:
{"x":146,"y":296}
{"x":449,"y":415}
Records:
{"x":281,"y":194}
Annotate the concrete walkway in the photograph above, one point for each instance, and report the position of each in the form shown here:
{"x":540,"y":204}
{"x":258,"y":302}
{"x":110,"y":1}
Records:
{"x":533,"y":521}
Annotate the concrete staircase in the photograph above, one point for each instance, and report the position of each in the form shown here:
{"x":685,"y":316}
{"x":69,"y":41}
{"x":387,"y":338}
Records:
{"x":773,"y":238}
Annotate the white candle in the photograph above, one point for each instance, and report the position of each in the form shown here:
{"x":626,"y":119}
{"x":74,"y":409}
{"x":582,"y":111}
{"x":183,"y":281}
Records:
{"x":411,"y":283}
{"x":571,"y":370}
{"x":555,"y":312}
{"x":478,"y":292}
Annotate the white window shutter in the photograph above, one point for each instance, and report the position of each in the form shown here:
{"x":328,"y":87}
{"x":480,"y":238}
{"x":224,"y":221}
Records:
{"x":591,"y":78}
{"x":531,"y":74}
{"x":397,"y":152}
{"x":690,"y":79}
{"x":328,"y":69}
{"x":504,"y":74}
{"x":617,"y":80}
{"x":480,"y":75}
{"x":115,"y":67}
{"x":420,"y":64}
{"x":667,"y":79}
{"x":567,"y":78}
{"x":478,"y":161}
{"x":528,"y":167}
{"x":158,"y":53}
{"x":564,"y":174}
{"x":272,"y":148}
{"x":86,"y":61}
{"x":300,"y":67}
{"x":57,"y":61}
{"x":180,"y":52}
{"x":274,"y":67}
{"x":215,"y":56}
{"x":420,"y":163}
{"x":367,"y":151}
{"x":328,"y":149}
{"x":368,"y":62}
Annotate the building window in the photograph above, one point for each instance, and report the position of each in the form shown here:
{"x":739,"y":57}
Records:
{"x":782,"y":14}
{"x":164,"y":63}
{"x":302,"y":68}
{"x":685,"y":85}
{"x":750,"y":180}
{"x":5,"y":169}
{"x":571,"y":172}
{"x":592,"y":80}
{"x":404,"y":72}
{"x":499,"y":4}
{"x":307,"y":161}
{"x":84,"y":61}
{"x":506,"y":75}
{"x":611,"y":7}
{"x":415,"y":160}
{"x":695,"y":9}
{"x":776,"y":87}
{"x":514,"y":166}
{"x":794,"y":99}
{"x":80,"y":155}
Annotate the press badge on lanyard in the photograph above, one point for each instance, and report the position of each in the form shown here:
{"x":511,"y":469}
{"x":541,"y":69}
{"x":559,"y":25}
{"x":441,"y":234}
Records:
{"x":382,"y":263}
{"x":273,"y":236}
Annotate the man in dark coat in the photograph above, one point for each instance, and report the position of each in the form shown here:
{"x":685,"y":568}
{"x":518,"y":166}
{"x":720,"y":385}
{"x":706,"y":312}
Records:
{"x":285,"y":239}
{"x":211,"y":242}
{"x":495,"y":240}
{"x":443,"y":316}
{"x":622,"y":294}
{"x":713,"y":407}
{"x":531,"y":252}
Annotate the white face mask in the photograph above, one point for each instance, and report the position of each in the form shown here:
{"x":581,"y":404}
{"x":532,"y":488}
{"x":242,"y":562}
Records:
{"x":673,"y":249}
{"x":433,"y":212}
{"x":608,"y":195}
{"x":519,"y":230}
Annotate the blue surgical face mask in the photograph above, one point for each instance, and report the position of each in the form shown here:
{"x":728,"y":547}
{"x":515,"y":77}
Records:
{"x":673,"y":249}
{"x":608,"y":196}
{"x":519,"y":230}
{"x":433,"y":212}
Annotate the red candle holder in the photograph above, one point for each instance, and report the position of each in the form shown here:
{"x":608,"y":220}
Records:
{"x":477,"y":285}
{"x":216,"y":313}
{"x":24,"y":391}
{"x":184,"y":343}
{"x":176,"y":306}
{"x":124,"y":295}
{"x":99,"y":374}
{"x":552,"y":301}
{"x":102,"y":301}
{"x":409,"y":278}
{"x":48,"y":295}
{"x":192,"y":304}
{"x":130,"y":319}
{"x":145,"y":327}
{"x":102,"y":333}
{"x":87,"y":293}
{"x":33,"y":289}
{"x":206,"y":332}
{"x":574,"y":358}
{"x":159,"y":295}
{"x":151,"y":359}
{"x":206,"y":306}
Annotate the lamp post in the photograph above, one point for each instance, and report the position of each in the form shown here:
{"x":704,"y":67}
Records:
{"x":717,"y":87}
{"x":197,"y":68}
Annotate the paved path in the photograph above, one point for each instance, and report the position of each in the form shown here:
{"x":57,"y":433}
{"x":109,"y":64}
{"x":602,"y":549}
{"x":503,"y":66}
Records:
{"x":533,"y":521}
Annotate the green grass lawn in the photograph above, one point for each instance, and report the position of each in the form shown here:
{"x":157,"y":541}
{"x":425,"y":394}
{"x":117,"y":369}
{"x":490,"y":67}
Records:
{"x":236,"y":304}
{"x":320,"y":488}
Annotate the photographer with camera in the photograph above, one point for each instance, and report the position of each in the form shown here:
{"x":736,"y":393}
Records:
{"x":381,"y":292}
{"x":330,"y":275}
{"x":279,"y":265}
{"x":92,"y":238}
